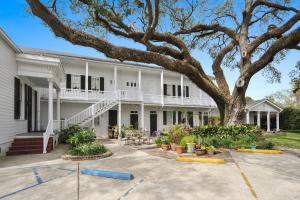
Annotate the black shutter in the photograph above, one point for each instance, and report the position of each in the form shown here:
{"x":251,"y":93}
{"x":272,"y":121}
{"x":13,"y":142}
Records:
{"x":165,"y":89}
{"x":82,"y":82}
{"x":26,"y":102}
{"x":90,"y":83}
{"x":174,"y":117}
{"x":101,"y":83}
{"x":179,"y":90}
{"x":17,"y":99}
{"x":174,"y":90}
{"x":164,"y":117}
{"x":68,"y":79}
{"x":187,"y":93}
{"x":35,"y":110}
{"x":179,"y":117}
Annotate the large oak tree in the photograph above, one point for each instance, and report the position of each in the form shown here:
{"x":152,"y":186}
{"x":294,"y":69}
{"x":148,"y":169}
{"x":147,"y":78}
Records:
{"x":249,"y":35}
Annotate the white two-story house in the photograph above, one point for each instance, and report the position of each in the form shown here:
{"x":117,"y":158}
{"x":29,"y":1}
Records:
{"x":43,"y":91}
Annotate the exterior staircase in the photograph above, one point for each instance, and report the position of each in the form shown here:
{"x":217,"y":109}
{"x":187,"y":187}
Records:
{"x":29,"y":145}
{"x":44,"y":142}
{"x":92,"y":111}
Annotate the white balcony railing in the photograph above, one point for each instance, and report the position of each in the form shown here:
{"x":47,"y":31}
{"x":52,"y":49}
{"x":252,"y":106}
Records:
{"x":130,"y":95}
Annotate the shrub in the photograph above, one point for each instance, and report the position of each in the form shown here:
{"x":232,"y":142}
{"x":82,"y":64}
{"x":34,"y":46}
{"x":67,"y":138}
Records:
{"x":158,"y":140}
{"x":290,"y":119}
{"x":188,"y":139}
{"x":81,"y":137}
{"x":264,"y":144}
{"x":68,"y":132}
{"x":94,"y":148}
{"x":165,"y":139}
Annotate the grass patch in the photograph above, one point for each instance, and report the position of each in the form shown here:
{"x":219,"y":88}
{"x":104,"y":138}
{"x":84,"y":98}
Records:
{"x":290,"y":140}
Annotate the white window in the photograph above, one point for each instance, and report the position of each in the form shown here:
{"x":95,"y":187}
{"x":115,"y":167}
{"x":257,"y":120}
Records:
{"x":75,"y":81}
{"x":95,"y":83}
{"x":169,"y":90}
{"x":169,"y":117}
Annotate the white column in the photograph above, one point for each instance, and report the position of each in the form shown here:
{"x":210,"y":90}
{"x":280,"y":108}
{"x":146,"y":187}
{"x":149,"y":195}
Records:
{"x":268,"y":122}
{"x":119,"y":121}
{"x":181,"y":87}
{"x":247,"y":117}
{"x":258,"y":118}
{"x":277,"y":121}
{"x":38,"y":110}
{"x":86,"y":80}
{"x":58,"y":104}
{"x":162,"y":86}
{"x":140,"y":83}
{"x":142,"y":117}
{"x":50,"y":101}
{"x":115,"y":78}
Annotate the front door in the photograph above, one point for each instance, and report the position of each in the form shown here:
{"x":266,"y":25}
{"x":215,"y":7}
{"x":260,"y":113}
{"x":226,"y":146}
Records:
{"x":153,"y":122}
{"x":112,"y":118}
{"x":134,"y":119}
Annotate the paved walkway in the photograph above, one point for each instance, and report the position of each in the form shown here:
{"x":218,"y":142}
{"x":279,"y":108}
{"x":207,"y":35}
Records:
{"x":273,"y":177}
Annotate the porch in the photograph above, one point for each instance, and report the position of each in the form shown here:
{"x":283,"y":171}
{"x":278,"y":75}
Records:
{"x":264,"y":114}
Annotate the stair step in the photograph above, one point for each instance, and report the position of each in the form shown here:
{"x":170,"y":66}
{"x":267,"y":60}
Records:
{"x":20,"y":148}
{"x":11,"y":153}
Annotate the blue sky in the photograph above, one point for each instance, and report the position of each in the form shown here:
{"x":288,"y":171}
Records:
{"x":28,"y":31}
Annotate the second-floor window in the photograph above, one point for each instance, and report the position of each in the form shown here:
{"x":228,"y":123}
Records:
{"x":75,"y":82}
{"x":170,"y":90}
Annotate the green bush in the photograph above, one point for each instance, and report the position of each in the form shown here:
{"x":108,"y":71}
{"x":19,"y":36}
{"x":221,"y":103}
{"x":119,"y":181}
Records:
{"x":68,"y":132}
{"x":188,"y":139}
{"x":158,"y":140}
{"x":264,"y":144}
{"x":290,"y":119}
{"x":165,"y":139}
{"x":93,"y":148}
{"x":228,"y":136}
{"x":83,"y":136}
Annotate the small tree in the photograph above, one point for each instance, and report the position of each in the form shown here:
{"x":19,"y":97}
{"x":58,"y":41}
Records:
{"x":248,"y":36}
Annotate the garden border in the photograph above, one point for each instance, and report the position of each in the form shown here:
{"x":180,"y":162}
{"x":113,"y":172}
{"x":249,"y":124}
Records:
{"x":90,"y":157}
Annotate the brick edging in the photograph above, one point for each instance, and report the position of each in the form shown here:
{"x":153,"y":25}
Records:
{"x":91,"y":157}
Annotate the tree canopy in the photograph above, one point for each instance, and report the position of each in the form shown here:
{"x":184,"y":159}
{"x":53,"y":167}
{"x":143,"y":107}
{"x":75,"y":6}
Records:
{"x":249,"y":35}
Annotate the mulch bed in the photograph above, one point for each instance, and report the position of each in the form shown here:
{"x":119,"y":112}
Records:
{"x":92,"y":157}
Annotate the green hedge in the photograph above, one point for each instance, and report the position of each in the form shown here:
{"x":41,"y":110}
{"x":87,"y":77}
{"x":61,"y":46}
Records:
{"x":231,"y":136}
{"x":290,"y":119}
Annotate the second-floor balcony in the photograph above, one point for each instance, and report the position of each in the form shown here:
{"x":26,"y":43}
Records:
{"x":128,"y":96}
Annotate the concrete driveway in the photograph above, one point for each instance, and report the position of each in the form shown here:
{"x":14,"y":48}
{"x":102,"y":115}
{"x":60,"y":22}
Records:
{"x":255,"y":175}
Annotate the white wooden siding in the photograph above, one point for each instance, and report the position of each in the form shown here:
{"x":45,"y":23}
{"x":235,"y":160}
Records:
{"x":8,"y":70}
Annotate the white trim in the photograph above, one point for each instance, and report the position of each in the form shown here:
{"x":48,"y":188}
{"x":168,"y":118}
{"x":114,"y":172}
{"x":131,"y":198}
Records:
{"x":10,"y":43}
{"x":263,"y":101}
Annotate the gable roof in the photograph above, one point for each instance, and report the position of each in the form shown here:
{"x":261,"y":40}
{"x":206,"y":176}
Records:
{"x":258,"y":102}
{"x":9,"y":41}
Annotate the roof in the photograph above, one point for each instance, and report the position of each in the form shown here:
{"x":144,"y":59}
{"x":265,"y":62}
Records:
{"x":257,"y":102}
{"x":59,"y":54}
{"x":9,"y":41}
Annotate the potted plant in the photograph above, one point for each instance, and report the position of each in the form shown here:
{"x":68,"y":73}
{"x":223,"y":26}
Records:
{"x":189,"y":141}
{"x":175,"y":133}
{"x":179,"y":149}
{"x":198,"y":144}
{"x":165,"y":143}
{"x":158,"y":141}
{"x":210,"y":150}
{"x":201,"y":151}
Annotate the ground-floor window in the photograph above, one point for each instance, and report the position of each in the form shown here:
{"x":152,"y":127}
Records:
{"x":134,"y":119}
{"x":190,"y":119}
{"x":205,"y":118}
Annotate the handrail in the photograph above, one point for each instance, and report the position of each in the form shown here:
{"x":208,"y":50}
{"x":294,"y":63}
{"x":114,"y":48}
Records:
{"x":91,"y":111}
{"x":47,"y":134}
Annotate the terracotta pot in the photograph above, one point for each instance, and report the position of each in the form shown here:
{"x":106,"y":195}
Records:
{"x":173,"y":146}
{"x":165,"y":147}
{"x":179,"y":149}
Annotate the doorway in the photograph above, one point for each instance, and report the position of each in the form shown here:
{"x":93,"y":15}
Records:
{"x":153,"y":123}
{"x":112,"y":118}
{"x":134,"y":119}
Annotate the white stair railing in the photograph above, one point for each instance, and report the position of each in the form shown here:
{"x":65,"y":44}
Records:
{"x":92,"y":111}
{"x":46,"y":135}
